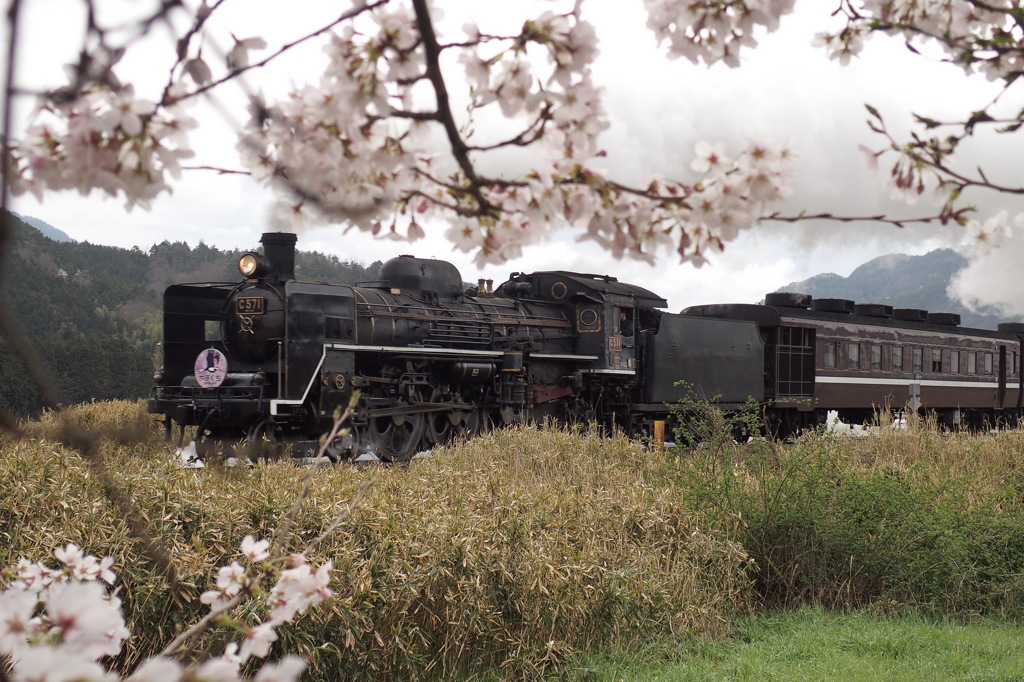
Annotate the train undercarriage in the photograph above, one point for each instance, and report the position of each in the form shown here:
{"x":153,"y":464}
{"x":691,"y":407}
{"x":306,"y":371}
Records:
{"x":404,"y":408}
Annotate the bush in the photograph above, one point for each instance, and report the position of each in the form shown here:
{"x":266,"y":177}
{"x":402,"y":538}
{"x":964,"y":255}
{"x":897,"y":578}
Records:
{"x":918,"y":518}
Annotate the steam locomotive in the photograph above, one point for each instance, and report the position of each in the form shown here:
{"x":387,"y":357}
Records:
{"x":271,"y":357}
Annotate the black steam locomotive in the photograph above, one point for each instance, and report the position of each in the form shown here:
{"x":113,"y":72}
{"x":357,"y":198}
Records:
{"x":271,"y":357}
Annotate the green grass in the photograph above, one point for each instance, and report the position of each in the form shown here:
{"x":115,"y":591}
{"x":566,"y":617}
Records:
{"x":814,"y":644}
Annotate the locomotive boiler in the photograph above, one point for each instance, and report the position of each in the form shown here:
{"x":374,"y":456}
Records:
{"x":271,"y":357}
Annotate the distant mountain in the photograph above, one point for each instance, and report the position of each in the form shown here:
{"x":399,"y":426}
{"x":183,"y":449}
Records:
{"x":903,"y":282}
{"x":46,"y":228}
{"x":93,"y":312}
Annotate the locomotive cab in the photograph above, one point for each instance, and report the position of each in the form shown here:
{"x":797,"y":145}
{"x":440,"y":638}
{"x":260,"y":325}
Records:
{"x":608,"y":315}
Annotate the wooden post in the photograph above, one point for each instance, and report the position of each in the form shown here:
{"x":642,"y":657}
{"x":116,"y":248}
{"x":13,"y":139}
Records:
{"x":659,"y":435}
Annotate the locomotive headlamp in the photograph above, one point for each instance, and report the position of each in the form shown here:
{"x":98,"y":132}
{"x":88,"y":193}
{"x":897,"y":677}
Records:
{"x":250,"y":266}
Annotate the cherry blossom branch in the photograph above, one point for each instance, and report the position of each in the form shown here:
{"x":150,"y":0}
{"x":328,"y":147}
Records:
{"x":22,"y":347}
{"x":876,"y":218}
{"x":87,"y":445}
{"x":182,"y":44}
{"x":273,"y":555}
{"x":923,"y":161}
{"x":432,"y":55}
{"x":6,"y":169}
{"x":341,"y":420}
{"x":531,"y":134}
{"x":72,"y":436}
{"x":287,"y":47}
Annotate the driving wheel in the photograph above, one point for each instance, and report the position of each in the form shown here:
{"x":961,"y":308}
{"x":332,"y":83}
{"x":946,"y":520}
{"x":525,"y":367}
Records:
{"x":397,"y":437}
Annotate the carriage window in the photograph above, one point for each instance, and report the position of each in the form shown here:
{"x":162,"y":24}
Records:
{"x":897,"y":358}
{"x":830,"y":354}
{"x":988,"y":363}
{"x":954,"y":362}
{"x":972,"y":363}
{"x":854,"y":356}
{"x":876,"y":356}
{"x":918,"y":360}
{"x":936,"y":360}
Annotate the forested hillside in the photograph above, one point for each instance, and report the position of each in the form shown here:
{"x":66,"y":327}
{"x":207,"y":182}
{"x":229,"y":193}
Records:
{"x":93,"y":312}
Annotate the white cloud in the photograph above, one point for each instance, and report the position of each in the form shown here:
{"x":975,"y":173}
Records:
{"x":659,"y":110}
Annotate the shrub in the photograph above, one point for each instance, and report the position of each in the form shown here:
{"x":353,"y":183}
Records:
{"x":921,"y":517}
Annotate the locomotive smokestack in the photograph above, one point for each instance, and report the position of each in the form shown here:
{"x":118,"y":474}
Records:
{"x":279,"y":249}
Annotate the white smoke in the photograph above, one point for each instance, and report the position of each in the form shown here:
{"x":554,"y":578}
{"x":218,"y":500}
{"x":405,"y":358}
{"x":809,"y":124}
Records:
{"x":991,"y":282}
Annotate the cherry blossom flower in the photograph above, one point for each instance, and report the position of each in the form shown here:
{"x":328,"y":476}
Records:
{"x":85,"y":567}
{"x":257,"y":641}
{"x":710,"y":158}
{"x":81,"y":622}
{"x":982,"y":237}
{"x":238,"y":57}
{"x":58,"y":664}
{"x":255,"y":550}
{"x":288,"y":669}
{"x":104,"y":140}
{"x":87,"y":621}
{"x":198,"y":70}
{"x":216,"y":670}
{"x":33,"y":577}
{"x":297,"y":589}
{"x":17,"y":608}
{"x":126,"y":112}
{"x":157,"y":669}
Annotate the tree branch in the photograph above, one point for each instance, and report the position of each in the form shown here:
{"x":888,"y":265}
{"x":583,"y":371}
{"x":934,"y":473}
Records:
{"x":284,"y":48}
{"x":460,"y":150}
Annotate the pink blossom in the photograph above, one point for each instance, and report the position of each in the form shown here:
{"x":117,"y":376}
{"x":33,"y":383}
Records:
{"x":70,"y":555}
{"x":710,"y":158}
{"x":157,"y":669}
{"x":238,"y":57}
{"x":58,"y":664}
{"x":198,"y":70}
{"x":297,"y":589}
{"x":34,"y":577}
{"x":216,"y":670}
{"x":16,"y":610}
{"x":982,"y":237}
{"x":255,"y":550}
{"x":126,"y":112}
{"x":87,"y":621}
{"x":232,"y":578}
{"x":257,"y":641}
{"x":288,"y":669}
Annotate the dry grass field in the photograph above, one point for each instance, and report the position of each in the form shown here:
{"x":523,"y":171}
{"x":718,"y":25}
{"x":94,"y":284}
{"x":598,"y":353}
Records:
{"x":514,"y":551}
{"x":523,"y":551}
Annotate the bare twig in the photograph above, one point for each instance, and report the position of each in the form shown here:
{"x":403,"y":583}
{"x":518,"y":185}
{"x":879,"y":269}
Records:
{"x":276,"y":550}
{"x":277,"y":546}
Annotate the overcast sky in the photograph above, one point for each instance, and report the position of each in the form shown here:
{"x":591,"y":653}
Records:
{"x":659,"y":110}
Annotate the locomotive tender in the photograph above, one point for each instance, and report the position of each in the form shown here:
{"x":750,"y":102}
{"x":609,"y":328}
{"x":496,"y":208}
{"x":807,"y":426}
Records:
{"x":273,"y":357}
